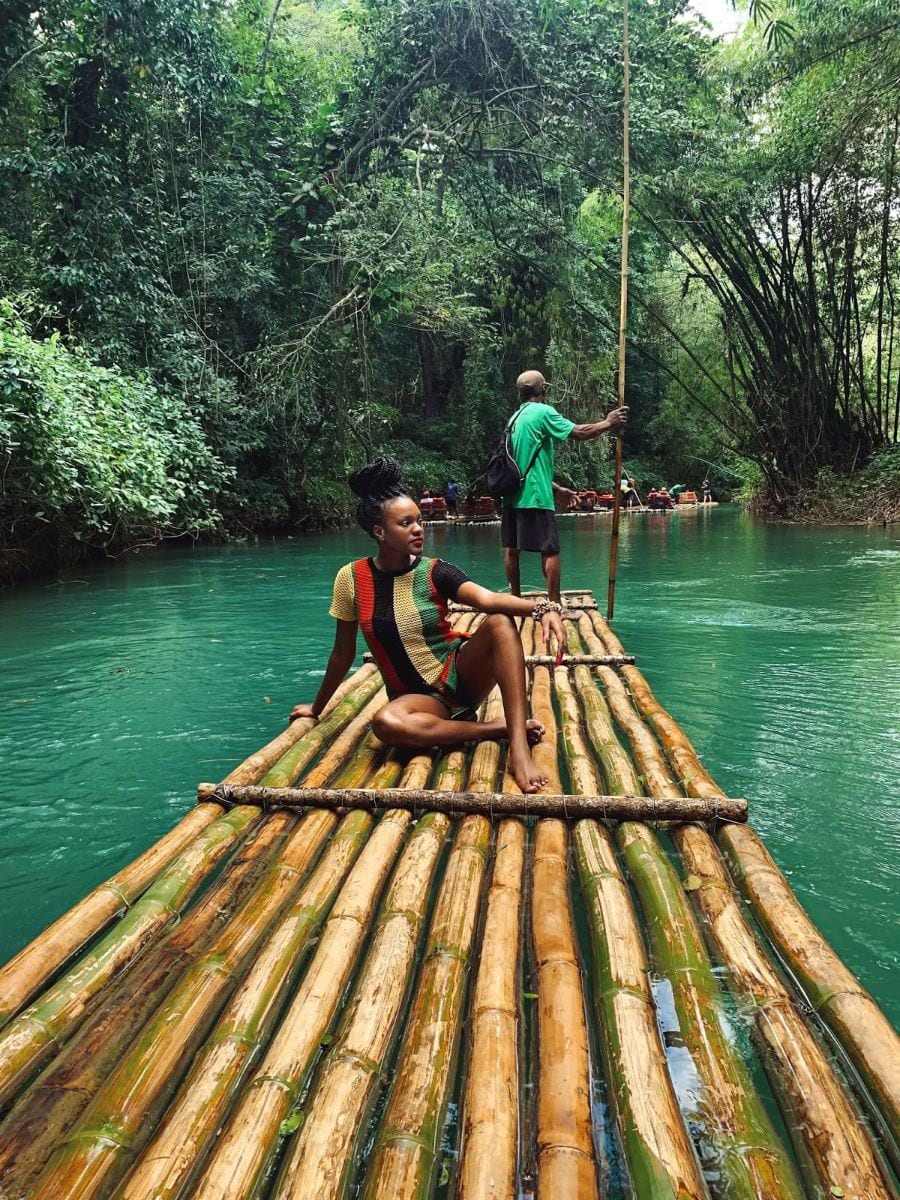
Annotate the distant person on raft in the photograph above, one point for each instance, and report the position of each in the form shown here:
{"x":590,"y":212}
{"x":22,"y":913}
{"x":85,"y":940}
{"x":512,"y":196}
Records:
{"x":528,"y":520}
{"x":432,"y":675}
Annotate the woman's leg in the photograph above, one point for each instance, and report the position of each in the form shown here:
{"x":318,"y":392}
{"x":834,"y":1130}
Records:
{"x":493,"y":655}
{"x":419,"y":722}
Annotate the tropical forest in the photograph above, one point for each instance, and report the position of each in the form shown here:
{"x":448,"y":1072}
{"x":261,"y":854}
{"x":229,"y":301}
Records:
{"x":245,"y":245}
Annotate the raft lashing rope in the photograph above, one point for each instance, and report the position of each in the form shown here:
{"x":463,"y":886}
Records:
{"x":319,"y":985}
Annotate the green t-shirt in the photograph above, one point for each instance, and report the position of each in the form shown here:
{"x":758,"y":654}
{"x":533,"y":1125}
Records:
{"x":537,"y":424}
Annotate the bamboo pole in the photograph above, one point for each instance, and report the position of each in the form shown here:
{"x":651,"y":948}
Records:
{"x":735,"y":1133}
{"x":252,"y":769}
{"x":831,"y":1141}
{"x":243,"y":1155}
{"x":405,"y":1157}
{"x":319,"y":1164}
{"x":40,"y":1031}
{"x":658,"y":1149}
{"x":366,"y":699}
{"x":99,"y":1148}
{"x":45,"y":1112}
{"x":566,"y":1160}
{"x":490,"y":804}
{"x":26,"y":973}
{"x":832,"y":1147}
{"x":623,"y":308}
{"x":576,"y":660}
{"x":490,"y":1113}
{"x":167,"y":1166}
{"x":123,"y":1113}
{"x":609,"y":642}
{"x":852,"y":1015}
{"x":847,"y":1009}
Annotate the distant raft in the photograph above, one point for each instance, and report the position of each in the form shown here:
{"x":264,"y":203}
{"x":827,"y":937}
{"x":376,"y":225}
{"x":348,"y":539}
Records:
{"x":317,"y":985}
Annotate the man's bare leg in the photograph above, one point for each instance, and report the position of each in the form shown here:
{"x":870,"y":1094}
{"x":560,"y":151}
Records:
{"x":553,"y":574}
{"x":511,"y":566}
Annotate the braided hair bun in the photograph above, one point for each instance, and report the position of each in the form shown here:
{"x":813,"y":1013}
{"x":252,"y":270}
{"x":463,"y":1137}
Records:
{"x":374,"y":483}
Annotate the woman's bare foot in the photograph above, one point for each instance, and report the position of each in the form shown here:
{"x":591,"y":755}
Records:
{"x":534,"y":730}
{"x":526,"y":774}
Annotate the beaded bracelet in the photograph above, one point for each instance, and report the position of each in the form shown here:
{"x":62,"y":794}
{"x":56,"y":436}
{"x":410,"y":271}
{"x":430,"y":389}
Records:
{"x":543,"y":607}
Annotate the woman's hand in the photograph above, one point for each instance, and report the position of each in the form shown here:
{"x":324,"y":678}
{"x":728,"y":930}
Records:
{"x":303,"y":710}
{"x":551,"y":624}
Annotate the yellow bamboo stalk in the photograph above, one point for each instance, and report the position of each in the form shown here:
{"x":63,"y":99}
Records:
{"x":25,"y":974}
{"x":322,"y":737}
{"x":45,"y":1111}
{"x":39,"y":1032}
{"x":172,"y":1159}
{"x":252,"y":769}
{"x":405,"y":1157}
{"x":99,"y":1148}
{"x":566,"y":1161}
{"x":746,"y":1152}
{"x":319,"y":1163}
{"x":844,"y":1005}
{"x":489,"y":1151}
{"x":488,"y":1157}
{"x":609,"y":641}
{"x":245,"y":1152}
{"x":821,"y":1118}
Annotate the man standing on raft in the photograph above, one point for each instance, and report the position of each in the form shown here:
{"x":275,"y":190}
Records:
{"x":400,"y":599}
{"x":529,"y":517}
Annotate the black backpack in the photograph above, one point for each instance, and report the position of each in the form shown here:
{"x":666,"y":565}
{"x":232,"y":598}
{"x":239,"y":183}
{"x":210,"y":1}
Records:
{"x":503,"y":477}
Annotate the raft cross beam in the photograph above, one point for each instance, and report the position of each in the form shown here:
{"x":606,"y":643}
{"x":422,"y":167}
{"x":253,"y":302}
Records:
{"x":488,"y":804}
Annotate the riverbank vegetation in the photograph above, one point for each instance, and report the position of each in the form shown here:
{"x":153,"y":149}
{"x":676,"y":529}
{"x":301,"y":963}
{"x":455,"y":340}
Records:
{"x":246,"y":244}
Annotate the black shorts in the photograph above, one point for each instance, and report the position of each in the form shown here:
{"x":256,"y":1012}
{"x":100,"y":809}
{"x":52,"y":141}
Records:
{"x":529,"y":529}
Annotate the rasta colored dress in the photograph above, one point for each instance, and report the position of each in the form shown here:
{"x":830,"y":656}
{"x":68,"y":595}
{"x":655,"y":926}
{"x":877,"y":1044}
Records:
{"x":403,"y":616}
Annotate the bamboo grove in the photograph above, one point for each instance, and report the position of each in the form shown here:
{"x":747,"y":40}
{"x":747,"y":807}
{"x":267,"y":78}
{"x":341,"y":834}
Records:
{"x":401,"y":1002}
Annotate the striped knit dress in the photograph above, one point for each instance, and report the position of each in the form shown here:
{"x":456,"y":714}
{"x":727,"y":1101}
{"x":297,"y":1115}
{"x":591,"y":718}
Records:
{"x":403,"y":617}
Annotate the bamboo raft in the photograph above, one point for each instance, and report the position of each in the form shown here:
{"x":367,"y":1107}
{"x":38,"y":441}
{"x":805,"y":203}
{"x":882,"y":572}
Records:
{"x":351,"y":972}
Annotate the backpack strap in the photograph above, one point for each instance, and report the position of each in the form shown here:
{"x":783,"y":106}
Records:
{"x":510,"y":426}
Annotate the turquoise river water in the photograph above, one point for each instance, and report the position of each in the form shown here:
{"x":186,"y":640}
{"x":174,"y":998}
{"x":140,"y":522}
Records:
{"x":775,"y":647}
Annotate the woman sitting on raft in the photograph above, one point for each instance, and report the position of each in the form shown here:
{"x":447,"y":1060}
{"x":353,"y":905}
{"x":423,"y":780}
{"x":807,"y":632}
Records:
{"x":400,"y":598}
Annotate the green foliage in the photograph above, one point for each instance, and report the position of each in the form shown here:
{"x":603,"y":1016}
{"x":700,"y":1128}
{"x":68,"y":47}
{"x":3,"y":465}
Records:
{"x":91,"y":457}
{"x":301,"y":234}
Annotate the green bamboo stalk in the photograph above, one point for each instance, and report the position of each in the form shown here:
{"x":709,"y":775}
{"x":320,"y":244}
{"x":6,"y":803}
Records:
{"x":40,"y":1031}
{"x":405,"y":1158}
{"x":844,"y":1005}
{"x":658,"y":1149}
{"x":45,"y":1111}
{"x":832,"y":1149}
{"x":319,"y":1165}
{"x":746,"y":1153}
{"x":25,"y":974}
{"x":289,"y":766}
{"x":255,"y":767}
{"x":849,"y":1011}
{"x":171,"y":1161}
